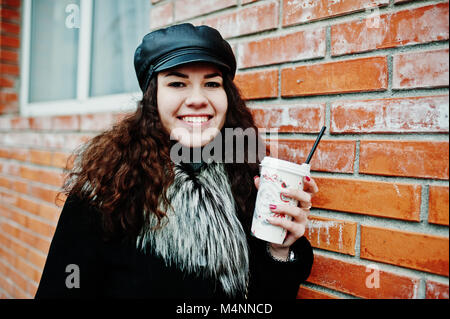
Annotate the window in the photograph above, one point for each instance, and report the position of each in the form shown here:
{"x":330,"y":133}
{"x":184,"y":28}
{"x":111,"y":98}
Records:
{"x":77,"y":55}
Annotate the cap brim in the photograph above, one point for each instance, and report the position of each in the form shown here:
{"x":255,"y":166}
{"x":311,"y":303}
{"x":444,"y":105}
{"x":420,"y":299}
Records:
{"x":190,"y":58}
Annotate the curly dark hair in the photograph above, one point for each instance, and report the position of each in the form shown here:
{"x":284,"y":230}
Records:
{"x":125,"y":171}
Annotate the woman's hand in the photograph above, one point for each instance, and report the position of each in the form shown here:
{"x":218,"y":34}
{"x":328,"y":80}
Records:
{"x":295,"y":227}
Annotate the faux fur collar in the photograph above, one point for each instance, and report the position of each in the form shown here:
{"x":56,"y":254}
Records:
{"x":202,"y":234}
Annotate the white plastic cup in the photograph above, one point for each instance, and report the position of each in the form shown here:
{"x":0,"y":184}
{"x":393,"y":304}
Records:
{"x":275,"y":175}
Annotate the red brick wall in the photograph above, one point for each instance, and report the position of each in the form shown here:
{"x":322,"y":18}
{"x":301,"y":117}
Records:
{"x":9,"y":55}
{"x":378,"y":79}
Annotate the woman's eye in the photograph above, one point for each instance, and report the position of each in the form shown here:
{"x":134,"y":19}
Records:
{"x":213,"y":84}
{"x":176,"y":84}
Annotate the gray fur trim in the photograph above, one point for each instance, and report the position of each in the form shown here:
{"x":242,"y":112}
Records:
{"x":203,"y":234}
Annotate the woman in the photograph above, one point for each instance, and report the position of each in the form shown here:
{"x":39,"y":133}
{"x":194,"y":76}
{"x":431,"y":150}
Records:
{"x":139,"y":223}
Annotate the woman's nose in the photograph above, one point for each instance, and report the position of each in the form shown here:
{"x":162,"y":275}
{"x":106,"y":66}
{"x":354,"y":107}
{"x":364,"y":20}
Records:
{"x":196,"y":98}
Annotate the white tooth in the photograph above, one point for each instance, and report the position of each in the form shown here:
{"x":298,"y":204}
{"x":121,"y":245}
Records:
{"x":195,"y":119}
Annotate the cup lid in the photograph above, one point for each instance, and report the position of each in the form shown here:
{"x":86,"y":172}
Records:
{"x":299,"y":169}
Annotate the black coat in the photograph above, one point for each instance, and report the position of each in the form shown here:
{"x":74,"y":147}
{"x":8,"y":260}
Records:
{"x":117,"y":269}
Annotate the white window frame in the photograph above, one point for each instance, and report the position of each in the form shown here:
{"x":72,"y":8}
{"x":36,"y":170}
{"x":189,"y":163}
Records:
{"x":83,"y":104}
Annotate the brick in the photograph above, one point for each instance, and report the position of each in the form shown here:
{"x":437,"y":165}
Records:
{"x":407,"y":27}
{"x":382,"y":199}
{"x":250,"y":19}
{"x":66,"y":122}
{"x":43,"y":176}
{"x":9,"y":108}
{"x":26,"y":237}
{"x":6,"y":83}
{"x":11,"y":168}
{"x":248,"y":1}
{"x":365,"y":74}
{"x":291,"y":47}
{"x":36,"y":258}
{"x":41,"y":157}
{"x":13,"y":274}
{"x":4,"y":182}
{"x":41,"y":123}
{"x":10,"y":57}
{"x":6,"y":285}
{"x":20,"y":123}
{"x":9,"y":42}
{"x":45,"y":211}
{"x":53,"y":141}
{"x":9,"y":69}
{"x":406,"y":249}
{"x":32,"y":287}
{"x":10,"y":3}
{"x":42,"y":193}
{"x":423,"y":159}
{"x":352,"y":278}
{"x":11,"y":245}
{"x":19,"y":154}
{"x":258,"y":84}
{"x":420,"y":69}
{"x":8,"y":198}
{"x":60,"y":159}
{"x":327,"y":157}
{"x":427,"y":114}
{"x":438,"y":207}
{"x":302,"y":11}
{"x":9,"y":14}
{"x":15,"y":139}
{"x":96,"y":122}
{"x":436,"y":290}
{"x":5,"y":212}
{"x":298,"y":118}
{"x":20,"y":187}
{"x":6,"y":27}
{"x":33,"y":225}
{"x":29,"y":139}
{"x":19,"y":265}
{"x":308,"y":293}
{"x":332,"y":234}
{"x":161,"y":15}
{"x":6,"y":97}
{"x":186,"y":9}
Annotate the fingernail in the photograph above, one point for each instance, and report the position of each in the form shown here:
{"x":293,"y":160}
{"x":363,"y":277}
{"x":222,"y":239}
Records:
{"x":308,"y":179}
{"x":271,"y":206}
{"x":255,"y":177}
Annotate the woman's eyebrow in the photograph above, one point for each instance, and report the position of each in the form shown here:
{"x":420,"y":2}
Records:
{"x":185,"y":76}
{"x":212,"y":75}
{"x":174,"y":73}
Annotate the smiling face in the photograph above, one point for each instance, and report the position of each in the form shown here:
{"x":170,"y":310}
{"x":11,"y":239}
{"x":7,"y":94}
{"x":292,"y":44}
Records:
{"x":192,"y":103}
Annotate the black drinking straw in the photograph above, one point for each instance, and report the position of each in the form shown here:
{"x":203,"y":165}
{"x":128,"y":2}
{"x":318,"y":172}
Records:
{"x":315,"y":144}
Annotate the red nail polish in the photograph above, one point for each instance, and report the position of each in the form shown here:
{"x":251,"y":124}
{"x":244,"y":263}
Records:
{"x":308,"y":179}
{"x":271,"y":206}
{"x":255,"y":177}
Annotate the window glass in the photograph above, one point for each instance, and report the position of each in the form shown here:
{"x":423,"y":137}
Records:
{"x":118,"y":28}
{"x":54,"y":52}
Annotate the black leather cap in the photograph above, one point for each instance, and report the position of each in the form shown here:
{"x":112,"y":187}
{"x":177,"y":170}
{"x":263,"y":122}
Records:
{"x":180,"y":44}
